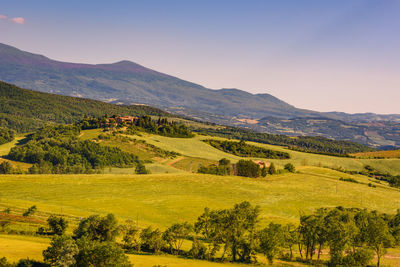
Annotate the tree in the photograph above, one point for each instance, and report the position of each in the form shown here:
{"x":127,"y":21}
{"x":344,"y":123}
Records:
{"x":290,"y":167}
{"x":272,"y":169}
{"x":57,"y":225}
{"x":340,"y":234}
{"x":61,"y":252}
{"x":208,"y":224}
{"x":176,"y":234}
{"x":378,"y":236}
{"x":271,"y":241}
{"x":290,"y":237}
{"x":131,"y":236}
{"x":98,"y":228}
{"x":152,"y":239}
{"x":240,"y":230}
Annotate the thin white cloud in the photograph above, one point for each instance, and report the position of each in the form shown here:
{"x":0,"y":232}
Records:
{"x":3,"y":16}
{"x":18,"y":20}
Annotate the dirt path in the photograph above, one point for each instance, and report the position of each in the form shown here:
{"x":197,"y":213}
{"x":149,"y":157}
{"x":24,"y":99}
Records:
{"x":175,"y":161}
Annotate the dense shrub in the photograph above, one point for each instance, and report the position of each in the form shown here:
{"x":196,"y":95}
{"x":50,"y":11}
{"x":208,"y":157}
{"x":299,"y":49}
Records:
{"x":242,"y":149}
{"x":161,"y":127}
{"x":248,"y":168}
{"x":6,"y":135}
{"x":223,"y":168}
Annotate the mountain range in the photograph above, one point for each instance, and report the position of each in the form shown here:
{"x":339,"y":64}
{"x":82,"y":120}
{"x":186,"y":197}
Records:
{"x":129,"y":83}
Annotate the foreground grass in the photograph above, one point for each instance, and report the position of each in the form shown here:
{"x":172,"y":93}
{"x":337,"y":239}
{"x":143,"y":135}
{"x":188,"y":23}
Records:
{"x":15,"y":247}
{"x":171,"y":261}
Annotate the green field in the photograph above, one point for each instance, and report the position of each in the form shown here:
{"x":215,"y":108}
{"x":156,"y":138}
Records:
{"x":173,"y":193}
{"x":159,"y":199}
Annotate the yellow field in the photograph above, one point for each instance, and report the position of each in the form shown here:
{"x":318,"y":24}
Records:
{"x":15,"y":248}
{"x":379,"y":154}
{"x":159,"y":199}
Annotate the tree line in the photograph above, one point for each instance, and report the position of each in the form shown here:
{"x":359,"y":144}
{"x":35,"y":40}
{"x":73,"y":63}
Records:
{"x":245,"y":168}
{"x":352,"y":236}
{"x":311,"y":144}
{"x":242,"y":149}
{"x":57,"y":149}
{"x":161,"y":126}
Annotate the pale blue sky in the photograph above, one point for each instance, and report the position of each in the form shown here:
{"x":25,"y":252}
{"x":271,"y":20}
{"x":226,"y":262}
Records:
{"x":340,"y":55}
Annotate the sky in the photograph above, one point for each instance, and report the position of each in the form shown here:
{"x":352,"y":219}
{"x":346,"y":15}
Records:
{"x":330,"y":55}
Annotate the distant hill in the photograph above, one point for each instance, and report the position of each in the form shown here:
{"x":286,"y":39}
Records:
{"x":26,"y":110}
{"x":378,"y":133}
{"x":127,"y":82}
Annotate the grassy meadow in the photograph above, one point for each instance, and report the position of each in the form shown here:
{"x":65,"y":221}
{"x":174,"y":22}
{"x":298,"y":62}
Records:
{"x":160,"y":199}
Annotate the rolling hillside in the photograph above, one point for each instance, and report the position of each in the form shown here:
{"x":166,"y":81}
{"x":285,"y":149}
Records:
{"x":26,"y":110}
{"x":173,"y":193}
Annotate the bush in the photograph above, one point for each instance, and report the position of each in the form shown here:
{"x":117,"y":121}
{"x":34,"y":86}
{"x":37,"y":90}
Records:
{"x":57,"y":225}
{"x":290,"y":167}
{"x":30,"y":211}
{"x":248,"y":168}
{"x":6,"y":168}
{"x":360,"y":258}
{"x":4,"y":262}
{"x":198,"y":250}
{"x":351,"y":180}
{"x":223,"y":168}
{"x":242,"y":149}
{"x":141,"y":169}
{"x":272,"y":169}
{"x":31,"y":263}
{"x":6,"y":135}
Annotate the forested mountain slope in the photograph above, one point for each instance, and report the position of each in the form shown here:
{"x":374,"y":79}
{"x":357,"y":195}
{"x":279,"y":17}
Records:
{"x":26,"y":110}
